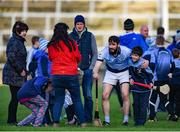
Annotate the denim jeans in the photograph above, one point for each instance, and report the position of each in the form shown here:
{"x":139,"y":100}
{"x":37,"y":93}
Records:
{"x":70,"y":82}
{"x":87,"y":93}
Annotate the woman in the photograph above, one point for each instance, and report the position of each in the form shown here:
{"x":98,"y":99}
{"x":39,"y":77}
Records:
{"x":14,"y":71}
{"x":64,"y":54}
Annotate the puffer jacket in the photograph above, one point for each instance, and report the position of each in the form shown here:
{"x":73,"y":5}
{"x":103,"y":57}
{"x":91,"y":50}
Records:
{"x":16,"y":61}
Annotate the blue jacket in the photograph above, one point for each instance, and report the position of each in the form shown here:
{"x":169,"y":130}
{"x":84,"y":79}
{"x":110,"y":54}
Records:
{"x":132,"y":40}
{"x":172,"y":45}
{"x":32,"y":88}
{"x":139,"y":75}
{"x":43,"y":63}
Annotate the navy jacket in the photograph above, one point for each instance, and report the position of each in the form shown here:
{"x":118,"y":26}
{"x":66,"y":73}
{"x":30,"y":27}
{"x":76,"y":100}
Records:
{"x":139,"y":75}
{"x":87,"y":47}
{"x":16,"y":61}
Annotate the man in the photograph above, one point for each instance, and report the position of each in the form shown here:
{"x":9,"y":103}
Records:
{"x":87,"y":46}
{"x":144,"y":31}
{"x":131,"y":39}
{"x":176,"y":42}
{"x":116,"y":58}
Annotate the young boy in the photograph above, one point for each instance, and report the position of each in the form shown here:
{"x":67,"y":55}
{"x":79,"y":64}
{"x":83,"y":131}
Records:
{"x":30,"y":95}
{"x":140,"y":94}
{"x":162,"y":66}
{"x":31,"y":52}
{"x":175,"y":81}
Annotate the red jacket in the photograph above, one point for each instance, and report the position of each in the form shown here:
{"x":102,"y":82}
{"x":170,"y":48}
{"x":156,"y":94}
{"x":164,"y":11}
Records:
{"x":63,"y":61}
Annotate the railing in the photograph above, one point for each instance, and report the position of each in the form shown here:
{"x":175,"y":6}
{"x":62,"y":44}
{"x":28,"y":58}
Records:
{"x":162,"y":14}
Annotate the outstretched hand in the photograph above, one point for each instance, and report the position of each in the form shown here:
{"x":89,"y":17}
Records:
{"x":95,"y":75}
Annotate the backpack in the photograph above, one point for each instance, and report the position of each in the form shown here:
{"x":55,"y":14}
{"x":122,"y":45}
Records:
{"x":32,"y":67}
{"x":163,"y":64}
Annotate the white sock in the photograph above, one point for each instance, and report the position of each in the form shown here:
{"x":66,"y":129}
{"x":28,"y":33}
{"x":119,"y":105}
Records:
{"x":126,"y":118}
{"x":107,"y":119}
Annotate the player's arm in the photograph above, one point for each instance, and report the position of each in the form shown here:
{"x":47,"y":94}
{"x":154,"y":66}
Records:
{"x":96,"y":69}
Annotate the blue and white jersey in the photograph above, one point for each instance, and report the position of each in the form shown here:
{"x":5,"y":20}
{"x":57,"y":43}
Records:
{"x":140,"y":75}
{"x":176,"y":72}
{"x":115,"y":63}
{"x":149,"y":54}
{"x":162,"y":63}
{"x":177,"y":63}
{"x":138,"y":65}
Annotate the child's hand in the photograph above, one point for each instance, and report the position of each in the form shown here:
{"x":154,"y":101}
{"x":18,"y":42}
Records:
{"x":131,"y":81}
{"x":29,"y":77}
{"x":49,"y":88}
{"x":145,"y":64}
{"x":151,"y":84}
{"x":170,"y":75}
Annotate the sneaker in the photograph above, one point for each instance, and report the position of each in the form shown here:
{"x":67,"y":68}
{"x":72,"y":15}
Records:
{"x":172,"y":117}
{"x":83,"y":125}
{"x":125,"y":123}
{"x":74,"y":121}
{"x":152,"y":119}
{"x":106,"y":123}
{"x":55,"y":124}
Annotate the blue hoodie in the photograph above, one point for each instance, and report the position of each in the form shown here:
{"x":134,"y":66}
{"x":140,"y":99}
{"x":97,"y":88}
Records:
{"x":132,"y":40}
{"x":43,"y":63}
{"x":32,"y":88}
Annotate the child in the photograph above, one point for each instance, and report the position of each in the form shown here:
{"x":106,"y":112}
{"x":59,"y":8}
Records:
{"x":162,"y":66}
{"x":175,"y":81}
{"x":30,"y":96}
{"x":140,"y":93}
{"x":43,"y":69}
{"x":69,"y":108}
{"x":31,"y":52}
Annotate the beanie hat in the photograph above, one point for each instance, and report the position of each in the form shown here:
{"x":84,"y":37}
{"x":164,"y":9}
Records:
{"x":177,"y":37}
{"x":79,"y":18}
{"x":128,"y":24}
{"x":43,"y":43}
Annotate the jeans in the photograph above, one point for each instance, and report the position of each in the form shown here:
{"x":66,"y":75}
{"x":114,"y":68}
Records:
{"x":87,"y":93}
{"x":140,"y":107}
{"x":70,"y":82}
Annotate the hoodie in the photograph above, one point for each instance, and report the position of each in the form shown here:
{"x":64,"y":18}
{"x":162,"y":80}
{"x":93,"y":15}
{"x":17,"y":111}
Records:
{"x":132,"y":40}
{"x":43,"y":63}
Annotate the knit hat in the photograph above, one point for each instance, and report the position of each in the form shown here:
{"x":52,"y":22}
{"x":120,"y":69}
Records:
{"x":79,"y":18}
{"x":177,"y":37}
{"x":128,"y":24}
{"x":43,"y":43}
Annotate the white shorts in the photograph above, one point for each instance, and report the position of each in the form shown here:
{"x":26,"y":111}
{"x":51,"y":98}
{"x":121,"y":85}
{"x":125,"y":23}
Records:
{"x":112,"y":78}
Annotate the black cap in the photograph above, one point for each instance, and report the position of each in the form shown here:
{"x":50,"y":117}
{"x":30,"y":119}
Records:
{"x":79,"y":18}
{"x":128,"y":24}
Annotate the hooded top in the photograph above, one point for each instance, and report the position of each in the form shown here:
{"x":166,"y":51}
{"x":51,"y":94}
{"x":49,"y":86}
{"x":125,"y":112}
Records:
{"x":32,"y":88}
{"x":43,"y":63}
{"x":132,"y":40}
